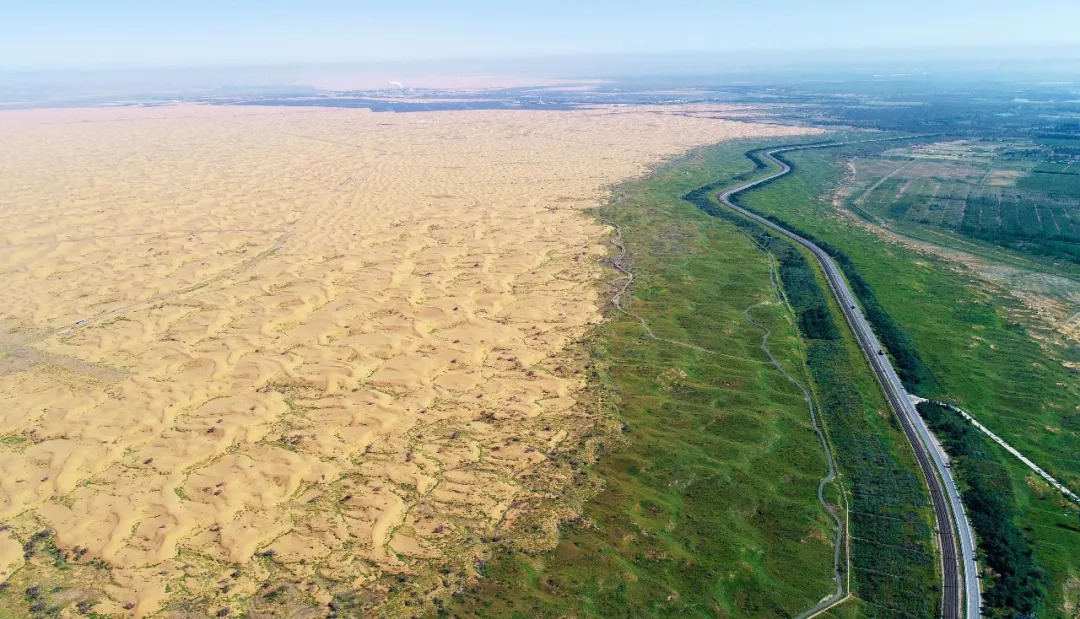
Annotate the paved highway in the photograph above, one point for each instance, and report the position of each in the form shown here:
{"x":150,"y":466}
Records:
{"x":960,"y":586}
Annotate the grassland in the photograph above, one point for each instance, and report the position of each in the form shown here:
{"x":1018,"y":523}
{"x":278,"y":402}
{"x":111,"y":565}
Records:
{"x":891,"y":559}
{"x":1017,"y":585}
{"x":983,"y":350}
{"x":707,"y":505}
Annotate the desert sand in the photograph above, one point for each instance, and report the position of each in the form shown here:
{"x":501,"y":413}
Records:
{"x":298,"y":348}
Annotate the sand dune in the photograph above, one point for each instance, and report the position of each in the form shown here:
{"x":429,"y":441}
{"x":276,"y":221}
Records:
{"x":304,"y":346}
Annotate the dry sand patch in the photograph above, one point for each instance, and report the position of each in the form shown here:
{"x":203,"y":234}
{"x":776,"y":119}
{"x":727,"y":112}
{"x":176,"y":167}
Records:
{"x":307,"y":346}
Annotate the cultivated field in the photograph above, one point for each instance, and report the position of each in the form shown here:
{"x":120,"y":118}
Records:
{"x":253,"y":359}
{"x":1024,"y":195}
{"x":1010,"y":209}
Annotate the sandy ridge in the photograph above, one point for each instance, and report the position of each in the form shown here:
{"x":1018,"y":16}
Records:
{"x":317,"y":347}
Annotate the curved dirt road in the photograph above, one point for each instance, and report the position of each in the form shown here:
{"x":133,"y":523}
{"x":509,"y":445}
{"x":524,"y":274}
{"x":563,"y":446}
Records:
{"x":960,"y":586}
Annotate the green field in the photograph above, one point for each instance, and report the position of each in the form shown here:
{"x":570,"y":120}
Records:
{"x":977,"y":342}
{"x":1024,"y":196}
{"x":709,"y":472}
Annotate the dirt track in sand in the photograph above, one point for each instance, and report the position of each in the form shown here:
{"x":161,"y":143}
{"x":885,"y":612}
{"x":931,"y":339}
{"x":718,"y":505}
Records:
{"x":333,"y":335}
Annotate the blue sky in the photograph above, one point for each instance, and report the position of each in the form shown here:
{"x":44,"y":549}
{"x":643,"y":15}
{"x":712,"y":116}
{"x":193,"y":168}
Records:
{"x":43,"y":33}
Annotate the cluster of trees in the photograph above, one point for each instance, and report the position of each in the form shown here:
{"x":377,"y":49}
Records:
{"x":1048,"y":247}
{"x":1060,"y":131}
{"x":913,"y":371}
{"x":1050,"y":233}
{"x":1018,"y":582}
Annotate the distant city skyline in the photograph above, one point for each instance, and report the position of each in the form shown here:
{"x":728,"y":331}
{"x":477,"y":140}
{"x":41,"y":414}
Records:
{"x":70,"y":34}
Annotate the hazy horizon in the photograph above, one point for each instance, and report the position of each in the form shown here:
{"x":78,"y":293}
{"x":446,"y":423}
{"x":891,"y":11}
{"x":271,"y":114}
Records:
{"x":118,"y":33}
{"x":1059,"y":66}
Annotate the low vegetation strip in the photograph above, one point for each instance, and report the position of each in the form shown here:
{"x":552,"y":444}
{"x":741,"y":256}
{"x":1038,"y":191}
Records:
{"x":840,"y":538}
{"x":1018,"y":583}
{"x":709,"y":504}
{"x":815,"y":317}
{"x":913,"y":371}
{"x":627,"y":279}
{"x":987,"y":351}
{"x":894,"y":566}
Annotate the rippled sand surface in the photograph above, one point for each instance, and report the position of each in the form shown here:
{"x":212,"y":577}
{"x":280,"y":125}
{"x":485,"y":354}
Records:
{"x":303,"y":349}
